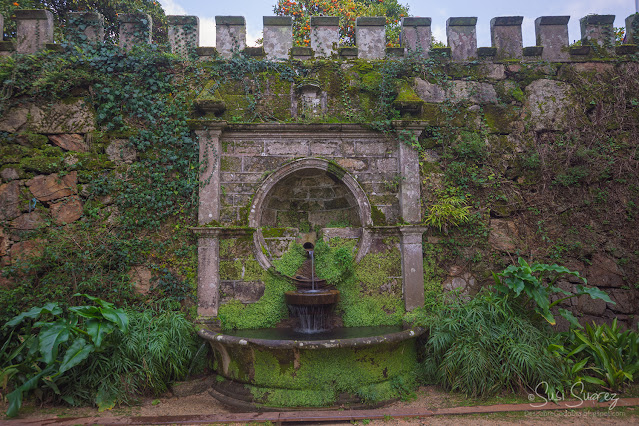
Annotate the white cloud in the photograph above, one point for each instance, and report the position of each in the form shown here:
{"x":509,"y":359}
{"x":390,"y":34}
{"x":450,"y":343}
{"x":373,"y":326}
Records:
{"x":171,"y":7}
{"x":207,"y":32}
{"x":439,"y":33}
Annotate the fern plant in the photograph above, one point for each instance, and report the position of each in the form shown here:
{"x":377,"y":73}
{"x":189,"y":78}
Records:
{"x":449,"y":211}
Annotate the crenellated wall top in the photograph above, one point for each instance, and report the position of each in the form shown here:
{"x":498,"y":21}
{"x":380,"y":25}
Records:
{"x":34,"y":31}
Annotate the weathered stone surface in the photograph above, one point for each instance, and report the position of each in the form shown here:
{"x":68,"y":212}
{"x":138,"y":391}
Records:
{"x":230,"y":34}
{"x":69,"y":142}
{"x":28,"y":222}
{"x":85,"y":27}
{"x":67,"y":211}
{"x":370,"y":35}
{"x":590,"y":306}
{"x":473,"y":91}
{"x":546,"y":104}
{"x":460,"y":281}
{"x":551,"y":32}
{"x":626,"y":301}
{"x":53,"y":187}
{"x":461,"y":34}
{"x":503,"y":234}
{"x":494,"y":71}
{"x":278,"y":36}
{"x":324,"y":35}
{"x":34,"y":29}
{"x":140,"y":277}
{"x":412,"y":267}
{"x":244,"y":291}
{"x":183,"y":33}
{"x":506,"y":36}
{"x":416,"y":34}
{"x":4,"y":243}
{"x":71,"y":116}
{"x":352,"y":164}
{"x":26,"y":249}
{"x":604,"y":272}
{"x":14,"y":119}
{"x":9,"y":200}
{"x":429,"y":92}
{"x":459,"y":91}
{"x":120,"y":152}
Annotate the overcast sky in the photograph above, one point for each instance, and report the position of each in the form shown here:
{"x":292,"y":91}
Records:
{"x":254,"y":10}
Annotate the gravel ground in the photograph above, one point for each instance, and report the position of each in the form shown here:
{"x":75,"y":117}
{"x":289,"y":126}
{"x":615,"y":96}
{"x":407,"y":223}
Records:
{"x":428,"y":397}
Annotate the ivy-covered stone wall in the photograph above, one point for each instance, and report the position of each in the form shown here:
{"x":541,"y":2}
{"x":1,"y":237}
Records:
{"x":516,"y":158}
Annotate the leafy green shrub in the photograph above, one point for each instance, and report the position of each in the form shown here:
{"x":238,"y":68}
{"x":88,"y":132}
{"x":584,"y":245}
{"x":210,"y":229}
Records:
{"x":157,"y":350}
{"x":37,"y":354}
{"x":534,"y":284}
{"x":600,"y":355}
{"x":485,"y":346}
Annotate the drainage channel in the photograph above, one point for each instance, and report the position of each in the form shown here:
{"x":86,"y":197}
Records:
{"x":305,"y":417}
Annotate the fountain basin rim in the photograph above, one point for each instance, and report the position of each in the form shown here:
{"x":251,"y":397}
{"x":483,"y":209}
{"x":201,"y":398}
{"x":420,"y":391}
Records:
{"x":313,"y":297}
{"x":226,"y":339}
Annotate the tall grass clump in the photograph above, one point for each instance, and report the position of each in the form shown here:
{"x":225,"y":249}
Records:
{"x":158,"y":349}
{"x":484,"y":346}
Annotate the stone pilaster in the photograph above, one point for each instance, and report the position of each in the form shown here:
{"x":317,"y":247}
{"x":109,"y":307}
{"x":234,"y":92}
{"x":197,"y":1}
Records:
{"x":210,"y":150}
{"x":412,"y":266}
{"x":462,"y":37}
{"x":278,"y":36}
{"x":597,"y":30}
{"x":551,"y":32}
{"x":324,"y":35}
{"x":85,"y":27}
{"x":135,"y":29}
{"x":230,"y":34}
{"x":208,"y":271}
{"x":34,"y":29}
{"x":416,"y":35}
{"x":410,"y":186}
{"x":506,"y":37}
{"x":370,"y":35}
{"x":184,"y":34}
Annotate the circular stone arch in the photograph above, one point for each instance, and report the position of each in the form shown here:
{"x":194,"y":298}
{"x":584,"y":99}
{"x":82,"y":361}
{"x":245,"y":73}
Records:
{"x":263,"y":192}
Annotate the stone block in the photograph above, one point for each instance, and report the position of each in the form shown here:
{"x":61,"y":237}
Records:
{"x":34,"y":29}
{"x":325,"y":148}
{"x":9,"y":174}
{"x":506,"y":37}
{"x":10,"y":200}
{"x":625,"y":301}
{"x":208,"y":276}
{"x":416,"y":35}
{"x":324,"y":35}
{"x":598,"y":30}
{"x":69,"y":142}
{"x":53,"y":187}
{"x":135,"y":29}
{"x":352,"y":164}
{"x":278,"y":36}
{"x":183,"y":33}
{"x":461,"y":34}
{"x":28,"y":221}
{"x":292,"y":148}
{"x":551,"y":32}
{"x":372,"y":148}
{"x":230,"y":34}
{"x":4,"y":243}
{"x":546,"y":104}
{"x":119,"y":151}
{"x":370,"y":35}
{"x":85,"y":27}
{"x":632,"y":29}
{"x":590,"y":306}
{"x":140,"y":277}
{"x":24,"y":250}
{"x":412,"y":267}
{"x":72,"y":116}
{"x":604,"y":272}
{"x":244,"y":291}
{"x":503,"y":235}
{"x":247,"y":147}
{"x":67,"y":211}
